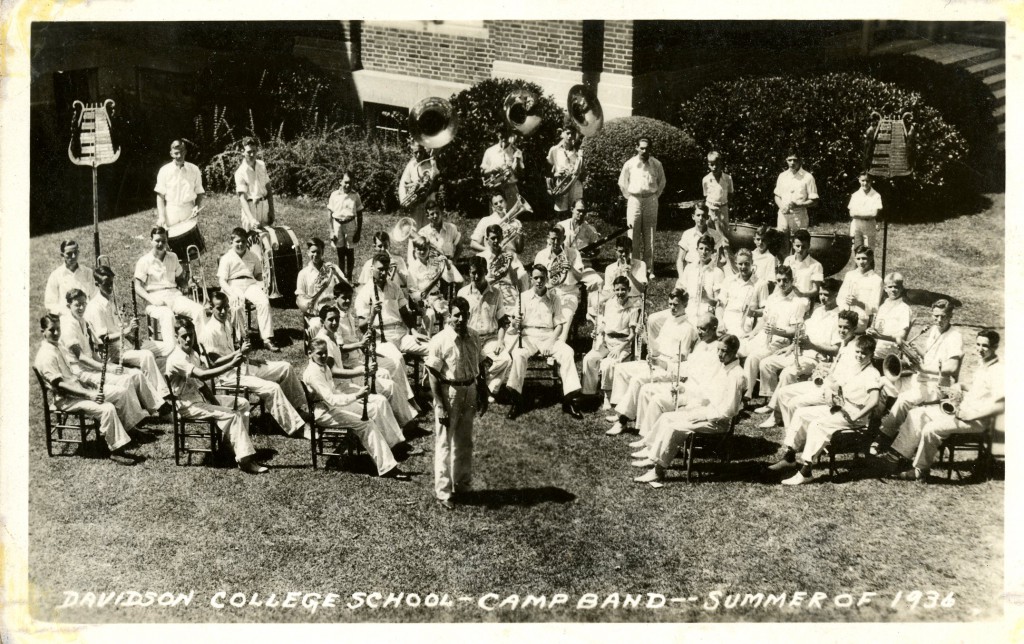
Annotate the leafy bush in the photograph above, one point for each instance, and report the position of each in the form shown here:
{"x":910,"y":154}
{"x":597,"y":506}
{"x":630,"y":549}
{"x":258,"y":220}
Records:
{"x":753,"y":120}
{"x":480,"y":109}
{"x":606,"y":152}
{"x":962,"y":99}
{"x":311,"y":166}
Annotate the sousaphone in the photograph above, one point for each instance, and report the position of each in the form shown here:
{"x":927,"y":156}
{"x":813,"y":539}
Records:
{"x":585,"y":110}
{"x":433,"y":123}
{"x":522,"y":111}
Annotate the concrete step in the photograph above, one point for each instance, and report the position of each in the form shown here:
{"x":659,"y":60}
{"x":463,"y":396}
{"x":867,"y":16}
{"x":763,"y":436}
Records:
{"x":994,"y":66}
{"x":995,"y":81}
{"x":1000,"y":95}
{"x":957,"y":54}
{"x":1000,"y":113}
{"x":901,"y":47}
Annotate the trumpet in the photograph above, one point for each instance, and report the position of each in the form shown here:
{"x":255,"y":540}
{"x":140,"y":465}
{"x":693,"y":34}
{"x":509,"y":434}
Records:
{"x":424,"y":186}
{"x":195,"y":284}
{"x":497,"y":178}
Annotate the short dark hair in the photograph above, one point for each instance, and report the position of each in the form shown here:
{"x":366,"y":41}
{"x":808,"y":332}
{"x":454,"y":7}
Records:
{"x":342,"y":288}
{"x":557,"y":230}
{"x":101,"y":272}
{"x":382,"y":236}
{"x":992,"y":335}
{"x":48,"y":320}
{"x":383,"y":258}
{"x":238,"y":231}
{"x":73,"y":295}
{"x":621,"y":280}
{"x":831,"y":284}
{"x":315,"y":241}
{"x":681,"y":295}
{"x":707,"y":240}
{"x":624,"y":243}
{"x":866,"y":343}
{"x":496,"y":229}
{"x":479,"y":264}
{"x":327,"y":308}
{"x":944,"y":304}
{"x":250,"y":140}
{"x":851,"y":317}
{"x":155,"y":230}
{"x":784,"y":271}
{"x":67,"y":242}
{"x":803,"y":235}
{"x":539,"y":267}
{"x":730,"y":342}
{"x":459,"y":302}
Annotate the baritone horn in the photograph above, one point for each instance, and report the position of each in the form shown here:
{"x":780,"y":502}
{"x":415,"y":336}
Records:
{"x":433,"y":123}
{"x":893,"y":365}
{"x":522,"y":111}
{"x":585,"y":110}
{"x":403,"y":229}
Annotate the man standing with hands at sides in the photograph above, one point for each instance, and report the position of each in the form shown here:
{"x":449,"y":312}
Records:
{"x":488,"y":320}
{"x":179,"y":195}
{"x":239,"y":274}
{"x":457,"y":366}
{"x":504,"y":156}
{"x":416,"y":170}
{"x":718,"y":189}
{"x":563,"y":157}
{"x":795,"y":192}
{"x":252,"y":183}
{"x":641,"y":182}
{"x":345,"y":207}
{"x":864,"y":206}
{"x":540,"y":328}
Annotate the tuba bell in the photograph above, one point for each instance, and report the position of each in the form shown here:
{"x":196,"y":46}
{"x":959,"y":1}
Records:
{"x":433,"y":123}
{"x":522,"y":111}
{"x":403,"y":229}
{"x":585,"y":110}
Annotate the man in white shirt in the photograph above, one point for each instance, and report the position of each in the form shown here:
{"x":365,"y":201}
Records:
{"x":613,"y":341}
{"x":864,"y":206}
{"x":632,"y":269}
{"x":795,"y":192}
{"x":179,"y":195}
{"x":807,"y":271}
{"x":156,"y":279}
{"x":565,"y":158}
{"x":499,"y":209}
{"x":314,"y":286}
{"x":252,"y":183}
{"x":504,"y":157}
{"x":718,"y":189}
{"x":783,"y":311}
{"x":687,"y":245}
{"x":641,"y":182}
{"x":568,"y":288}
{"x":740,"y":298}
{"x":240,"y":275}
{"x":489,"y":320}
{"x":382,"y":303}
{"x":706,"y":410}
{"x":421,"y":168}
{"x":66,"y":277}
{"x":442,"y":235}
{"x":702,"y":279}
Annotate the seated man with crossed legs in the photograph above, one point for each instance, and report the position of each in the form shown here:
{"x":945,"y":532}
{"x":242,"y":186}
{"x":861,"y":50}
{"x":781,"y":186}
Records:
{"x":706,"y":409}
{"x":240,"y":274}
{"x":539,"y":330}
{"x":614,"y":340}
{"x":157,"y":277}
{"x":273,"y":381}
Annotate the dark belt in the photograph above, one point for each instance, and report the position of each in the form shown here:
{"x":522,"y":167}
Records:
{"x":616,"y":334}
{"x":458,"y":383}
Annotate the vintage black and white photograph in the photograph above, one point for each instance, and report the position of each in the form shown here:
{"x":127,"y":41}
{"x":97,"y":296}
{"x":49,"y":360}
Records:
{"x":678,"y":320}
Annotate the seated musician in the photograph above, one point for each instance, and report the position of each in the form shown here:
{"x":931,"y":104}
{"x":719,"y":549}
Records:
{"x":240,"y":274}
{"x":862,"y":287}
{"x":428,"y":274}
{"x":707,"y":408}
{"x":565,"y":267}
{"x":344,"y":408}
{"x":765,"y":263}
{"x":656,"y":398}
{"x":849,"y":406}
{"x":508,"y":275}
{"x":807,"y":271}
{"x":196,"y":400}
{"x":613,"y":343}
{"x":67,"y":276}
{"x":346,"y":342}
{"x":820,"y":340}
{"x":157,"y":277}
{"x":442,"y":235}
{"x":71,"y":394}
{"x":740,"y":298}
{"x":635,"y":270}
{"x":488,"y":318}
{"x":109,"y":326}
{"x":939,"y":366}
{"x":314,"y":286}
{"x":504,"y":156}
{"x":919,"y":438}
{"x":539,"y":331}
{"x":667,"y":344}
{"x":893,"y":319}
{"x":132,"y":394}
{"x":273,"y":381}
{"x":702,"y":279}
{"x":499,"y":209}
{"x":786,"y":400}
{"x":381,"y":302}
{"x":399,"y":269}
{"x":579,"y":235}
{"x":783,"y":311}
{"x":688,"y":252}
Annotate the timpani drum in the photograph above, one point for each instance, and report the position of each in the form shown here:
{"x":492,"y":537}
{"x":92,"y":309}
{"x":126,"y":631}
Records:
{"x":832,"y":250}
{"x":184,"y":234}
{"x":282,"y":260}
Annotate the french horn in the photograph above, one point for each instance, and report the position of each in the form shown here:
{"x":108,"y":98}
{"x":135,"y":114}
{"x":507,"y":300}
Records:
{"x":559,"y":270}
{"x":433,"y":122}
{"x":522,"y":111}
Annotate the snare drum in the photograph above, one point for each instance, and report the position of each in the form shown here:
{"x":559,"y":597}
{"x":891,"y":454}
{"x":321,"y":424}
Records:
{"x":184,"y":234}
{"x":282,"y":260}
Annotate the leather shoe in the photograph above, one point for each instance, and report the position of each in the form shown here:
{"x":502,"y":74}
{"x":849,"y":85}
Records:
{"x":396,"y":474}
{"x":514,"y":412}
{"x":913,"y":474}
{"x":570,"y":408}
{"x":782,"y":465}
{"x":270,"y":346}
{"x":446,"y":504}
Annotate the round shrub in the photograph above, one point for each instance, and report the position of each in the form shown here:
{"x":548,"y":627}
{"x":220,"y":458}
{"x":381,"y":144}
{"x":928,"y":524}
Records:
{"x":754,"y":120}
{"x":480,"y":109}
{"x":606,"y":152}
{"x":312,"y":165}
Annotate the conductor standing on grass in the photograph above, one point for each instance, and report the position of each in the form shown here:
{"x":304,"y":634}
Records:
{"x":458,"y":380}
{"x":641,"y":182}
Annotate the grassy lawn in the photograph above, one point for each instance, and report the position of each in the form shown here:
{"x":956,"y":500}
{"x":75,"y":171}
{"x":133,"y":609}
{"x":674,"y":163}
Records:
{"x":554,"y":511}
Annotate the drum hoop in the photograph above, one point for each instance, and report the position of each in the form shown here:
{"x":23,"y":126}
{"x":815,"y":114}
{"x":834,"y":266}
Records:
{"x":181,"y":228}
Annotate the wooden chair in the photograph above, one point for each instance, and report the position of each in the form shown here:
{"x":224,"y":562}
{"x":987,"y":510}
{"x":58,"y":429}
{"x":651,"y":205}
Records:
{"x":58,"y":422}
{"x":329,"y":440}
{"x":255,"y":402}
{"x":979,"y":443}
{"x":152,"y":327}
{"x":192,"y":436}
{"x":697,"y":444}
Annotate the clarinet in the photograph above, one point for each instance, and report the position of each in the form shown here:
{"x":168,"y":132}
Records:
{"x":368,"y":378}
{"x":380,"y":314}
{"x":519,"y":292}
{"x":238,"y":370}
{"x":120,"y":346}
{"x":103,"y":371}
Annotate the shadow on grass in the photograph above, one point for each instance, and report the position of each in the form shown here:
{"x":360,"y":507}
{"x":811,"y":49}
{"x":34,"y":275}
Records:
{"x":924,"y":297}
{"x":517,"y":497}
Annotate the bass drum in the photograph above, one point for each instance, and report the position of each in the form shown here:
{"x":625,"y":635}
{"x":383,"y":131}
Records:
{"x":281,"y":246}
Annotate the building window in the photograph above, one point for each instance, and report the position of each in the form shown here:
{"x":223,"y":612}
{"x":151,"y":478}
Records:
{"x":387,"y":123}
{"x":463,"y":28}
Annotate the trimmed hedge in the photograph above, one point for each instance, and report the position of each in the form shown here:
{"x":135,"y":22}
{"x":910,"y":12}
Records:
{"x":311,"y":166}
{"x":480,"y":109}
{"x":606,"y":152}
{"x":753,"y":120}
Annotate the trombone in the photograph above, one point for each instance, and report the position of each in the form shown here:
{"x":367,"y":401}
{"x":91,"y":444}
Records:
{"x":195,"y":285}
